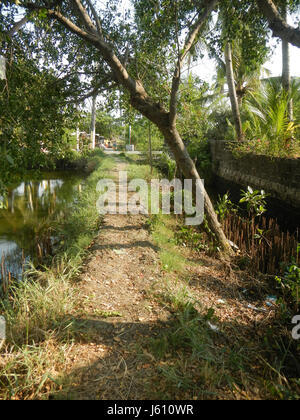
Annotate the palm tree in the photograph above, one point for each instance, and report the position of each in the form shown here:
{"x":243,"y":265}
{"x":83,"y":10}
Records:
{"x":268,"y":123}
{"x":233,"y":93}
{"x":240,"y":79}
{"x":246,"y":79}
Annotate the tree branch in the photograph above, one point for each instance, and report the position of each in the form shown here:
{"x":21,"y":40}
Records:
{"x":85,"y":16}
{"x":139,"y":97}
{"x":96,"y":17}
{"x":67,"y":23}
{"x":187,"y":47}
{"x":95,"y":91}
{"x":277,"y":24}
{"x":17,"y":26}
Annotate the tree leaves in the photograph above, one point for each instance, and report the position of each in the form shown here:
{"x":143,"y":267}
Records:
{"x":10,"y":159}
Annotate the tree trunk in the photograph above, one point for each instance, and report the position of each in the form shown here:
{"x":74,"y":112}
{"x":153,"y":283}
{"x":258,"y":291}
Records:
{"x":141,"y":101}
{"x":161,"y":119}
{"x":286,"y":72}
{"x":93,"y":123}
{"x":232,"y":93}
{"x":77,"y":139}
{"x":279,"y":27}
{"x":188,"y":168}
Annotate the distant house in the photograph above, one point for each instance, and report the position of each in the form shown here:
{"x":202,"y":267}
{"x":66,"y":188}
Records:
{"x":278,"y":79}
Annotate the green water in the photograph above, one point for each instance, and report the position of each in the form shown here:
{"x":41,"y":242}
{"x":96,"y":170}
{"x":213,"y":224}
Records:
{"x":28,"y":223}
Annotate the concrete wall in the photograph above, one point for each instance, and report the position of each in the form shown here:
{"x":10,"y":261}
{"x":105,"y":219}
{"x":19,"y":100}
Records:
{"x":276,"y":176}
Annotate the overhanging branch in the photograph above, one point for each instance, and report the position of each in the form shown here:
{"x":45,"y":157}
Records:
{"x":203,"y":15}
{"x":17,"y":26}
{"x":277,"y":24}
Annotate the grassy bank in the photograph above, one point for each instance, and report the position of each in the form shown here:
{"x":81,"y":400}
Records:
{"x":217,"y":347}
{"x":214,"y":346}
{"x":38,"y":311}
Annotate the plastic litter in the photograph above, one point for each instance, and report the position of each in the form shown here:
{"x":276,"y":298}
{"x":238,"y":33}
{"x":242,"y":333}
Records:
{"x":271,"y":300}
{"x":233,"y":245}
{"x":256,"y":309}
{"x":119,"y":251}
{"x":213,"y":327}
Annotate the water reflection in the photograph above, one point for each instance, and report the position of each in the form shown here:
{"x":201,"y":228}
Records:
{"x":27,"y":225}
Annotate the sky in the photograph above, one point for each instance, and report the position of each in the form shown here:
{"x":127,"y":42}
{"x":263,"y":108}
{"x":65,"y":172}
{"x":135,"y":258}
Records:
{"x":206,"y":67}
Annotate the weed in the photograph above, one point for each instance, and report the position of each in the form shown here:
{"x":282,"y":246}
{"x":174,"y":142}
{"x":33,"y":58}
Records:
{"x":290,"y":282}
{"x":224,"y":207}
{"x":40,"y":327}
{"x":255,"y":201}
{"x":189,"y":236}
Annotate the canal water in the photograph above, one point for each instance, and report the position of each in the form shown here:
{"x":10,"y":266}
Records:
{"x":27,"y":223}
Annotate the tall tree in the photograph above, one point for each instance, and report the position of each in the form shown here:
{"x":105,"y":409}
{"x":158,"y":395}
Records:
{"x":89,"y":27}
{"x":286,"y":62}
{"x":242,"y":41}
{"x":232,"y":93}
{"x":278,"y":24}
{"x":124,"y":62}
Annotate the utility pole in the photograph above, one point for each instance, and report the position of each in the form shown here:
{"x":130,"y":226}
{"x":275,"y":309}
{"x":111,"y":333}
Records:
{"x":93,"y":122}
{"x":150,"y":148}
{"x":130,"y":134}
{"x":14,"y":29}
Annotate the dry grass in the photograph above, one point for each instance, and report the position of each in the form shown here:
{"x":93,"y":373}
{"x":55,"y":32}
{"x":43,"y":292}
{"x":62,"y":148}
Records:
{"x":39,"y":311}
{"x":250,"y":356}
{"x":185,"y":331}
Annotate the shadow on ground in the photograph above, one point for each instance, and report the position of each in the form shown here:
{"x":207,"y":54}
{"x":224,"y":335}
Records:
{"x":182,"y":358}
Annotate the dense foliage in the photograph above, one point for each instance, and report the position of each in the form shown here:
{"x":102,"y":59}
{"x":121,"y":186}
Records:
{"x":50,"y":71}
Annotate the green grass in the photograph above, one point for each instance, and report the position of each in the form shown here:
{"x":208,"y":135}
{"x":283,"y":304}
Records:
{"x":107,"y":314}
{"x":189,"y":359}
{"x":142,"y":171}
{"x":38,"y":311}
{"x":79,"y":229}
{"x":162,"y":228}
{"x":38,"y":329}
{"x":193,"y":361}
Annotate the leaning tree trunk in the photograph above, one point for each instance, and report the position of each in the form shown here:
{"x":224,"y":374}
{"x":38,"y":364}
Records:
{"x":188,"y":168}
{"x":232,"y":93}
{"x":286,"y":71}
{"x":277,"y":24}
{"x":146,"y":105}
{"x":160,"y":118}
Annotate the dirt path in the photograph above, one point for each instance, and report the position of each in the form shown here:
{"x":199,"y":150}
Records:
{"x":122,"y":270}
{"x":144,"y":332}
